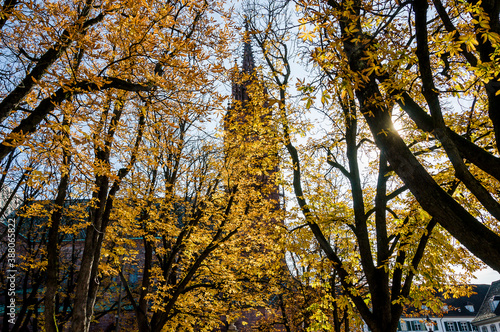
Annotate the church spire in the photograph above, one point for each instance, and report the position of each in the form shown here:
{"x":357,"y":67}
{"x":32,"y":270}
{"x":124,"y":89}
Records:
{"x":248,"y":120}
{"x":240,"y":81}
{"x":248,"y":61}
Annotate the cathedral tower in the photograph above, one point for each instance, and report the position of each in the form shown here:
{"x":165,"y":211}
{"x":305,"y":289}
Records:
{"x":249,"y":119}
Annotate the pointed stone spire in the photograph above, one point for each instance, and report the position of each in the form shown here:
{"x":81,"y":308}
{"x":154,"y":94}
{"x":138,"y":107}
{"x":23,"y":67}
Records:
{"x":242,"y":114}
{"x":248,"y":61}
{"x":239,"y":81}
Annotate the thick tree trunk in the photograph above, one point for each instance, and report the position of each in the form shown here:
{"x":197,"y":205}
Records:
{"x":476,"y":237}
{"x":80,"y":318}
{"x":142,"y":319}
{"x":53,"y":243}
{"x":87,"y":282}
{"x":487,"y":55}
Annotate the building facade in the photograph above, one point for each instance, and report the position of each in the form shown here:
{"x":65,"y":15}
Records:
{"x":488,"y":317}
{"x":457,"y":314}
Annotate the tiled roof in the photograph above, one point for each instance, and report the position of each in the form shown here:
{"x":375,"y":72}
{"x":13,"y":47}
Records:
{"x":458,"y":306}
{"x":487,"y":311}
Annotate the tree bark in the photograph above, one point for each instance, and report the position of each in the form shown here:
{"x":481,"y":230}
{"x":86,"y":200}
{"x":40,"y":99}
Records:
{"x":476,"y":237}
{"x":12,"y":100}
{"x":87,"y":280}
{"x":27,"y":126}
{"x":52,"y":240}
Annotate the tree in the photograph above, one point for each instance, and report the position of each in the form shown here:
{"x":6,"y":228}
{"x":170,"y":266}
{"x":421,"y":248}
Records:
{"x":111,"y":98}
{"x":366,"y":221}
{"x":202,"y":223}
{"x":372,"y":51}
{"x":54,"y":60}
{"x":31,"y":215}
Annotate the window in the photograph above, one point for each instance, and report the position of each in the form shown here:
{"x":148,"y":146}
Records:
{"x":484,"y":329}
{"x":430,"y":325}
{"x":471,"y":327}
{"x":493,"y":328}
{"x":466,"y":326}
{"x":416,"y":326}
{"x":494,"y":303}
{"x":458,"y":326}
{"x":469,"y":307}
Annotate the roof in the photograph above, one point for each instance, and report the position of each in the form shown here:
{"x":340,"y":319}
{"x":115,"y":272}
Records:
{"x":458,"y":306}
{"x":464,"y":306}
{"x":487,"y":309}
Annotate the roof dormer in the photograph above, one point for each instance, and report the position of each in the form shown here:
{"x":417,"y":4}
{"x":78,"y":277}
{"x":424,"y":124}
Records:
{"x":494,"y":303}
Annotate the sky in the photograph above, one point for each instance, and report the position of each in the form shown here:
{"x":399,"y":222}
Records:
{"x":486,"y":276}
